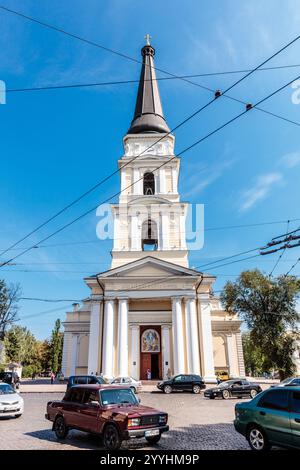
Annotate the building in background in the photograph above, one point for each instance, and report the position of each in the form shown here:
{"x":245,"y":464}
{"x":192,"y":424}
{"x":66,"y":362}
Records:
{"x":151,"y":310}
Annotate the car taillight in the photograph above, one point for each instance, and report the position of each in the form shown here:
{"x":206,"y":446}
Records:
{"x":133,"y":422}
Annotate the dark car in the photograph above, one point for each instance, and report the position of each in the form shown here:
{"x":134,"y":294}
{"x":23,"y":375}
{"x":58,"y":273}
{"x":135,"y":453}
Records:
{"x":84,"y":380}
{"x":114,"y":413}
{"x":183,"y":383}
{"x":290,"y":382}
{"x":271,"y":418}
{"x":233,"y":388}
{"x":10,"y":378}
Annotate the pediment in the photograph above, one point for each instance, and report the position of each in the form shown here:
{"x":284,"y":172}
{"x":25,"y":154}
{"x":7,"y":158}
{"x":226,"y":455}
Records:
{"x":150,"y":267}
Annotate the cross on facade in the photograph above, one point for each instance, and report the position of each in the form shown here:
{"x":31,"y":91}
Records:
{"x":148,"y":37}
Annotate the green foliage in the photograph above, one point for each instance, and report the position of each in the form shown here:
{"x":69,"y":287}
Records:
{"x":9,"y":296}
{"x":255,"y":361}
{"x":56,"y":346}
{"x":268,"y":307}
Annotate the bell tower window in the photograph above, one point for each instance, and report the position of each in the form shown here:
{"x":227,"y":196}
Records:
{"x":149,"y":235}
{"x":149,"y":184}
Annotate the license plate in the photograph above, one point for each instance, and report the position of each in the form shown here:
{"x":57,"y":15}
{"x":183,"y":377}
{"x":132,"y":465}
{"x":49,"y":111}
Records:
{"x":152,"y":432}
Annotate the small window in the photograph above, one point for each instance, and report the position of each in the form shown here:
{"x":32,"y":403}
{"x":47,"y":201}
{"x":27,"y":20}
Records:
{"x":92,"y":380}
{"x":90,"y":395}
{"x":275,"y":400}
{"x":245,"y":382}
{"x":295,"y":408}
{"x":76,"y":395}
{"x":179,"y":378}
{"x":149,"y":184}
{"x":80,"y":380}
{"x":149,"y":235}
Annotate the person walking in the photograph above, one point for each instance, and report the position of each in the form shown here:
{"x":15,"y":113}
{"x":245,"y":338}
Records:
{"x":52,"y":378}
{"x":148,"y":373}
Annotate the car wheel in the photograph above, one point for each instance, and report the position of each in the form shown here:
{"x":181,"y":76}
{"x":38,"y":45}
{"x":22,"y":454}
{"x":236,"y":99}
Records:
{"x":253,"y":393}
{"x":196,"y":389}
{"x":153,"y":440}
{"x":225,"y":394}
{"x":60,"y":428}
{"x":111,"y":438}
{"x":167,"y":389}
{"x":257,"y":439}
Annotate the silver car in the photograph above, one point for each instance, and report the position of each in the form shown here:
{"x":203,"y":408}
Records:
{"x":135,"y":385}
{"x":11,"y":404}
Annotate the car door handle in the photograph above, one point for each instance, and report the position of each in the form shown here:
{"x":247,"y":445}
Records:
{"x":297,"y":420}
{"x":263,"y":413}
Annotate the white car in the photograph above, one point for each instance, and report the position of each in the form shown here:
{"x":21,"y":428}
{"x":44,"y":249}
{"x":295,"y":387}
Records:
{"x":11,"y":404}
{"x":135,"y":385}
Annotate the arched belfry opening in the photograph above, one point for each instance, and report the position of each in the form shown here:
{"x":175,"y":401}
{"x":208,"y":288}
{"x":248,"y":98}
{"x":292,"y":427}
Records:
{"x":149,"y":184}
{"x":149,"y":235}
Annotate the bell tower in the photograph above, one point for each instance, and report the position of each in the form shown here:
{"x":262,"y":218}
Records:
{"x":149,"y":218}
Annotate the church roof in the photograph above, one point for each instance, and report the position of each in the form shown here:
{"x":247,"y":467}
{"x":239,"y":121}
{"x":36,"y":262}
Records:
{"x":148,"y":115}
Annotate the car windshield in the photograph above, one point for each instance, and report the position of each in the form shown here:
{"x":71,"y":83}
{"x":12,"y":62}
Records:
{"x":118,"y":397}
{"x":6,"y":389}
{"x":225,"y":384}
{"x":286,"y":381}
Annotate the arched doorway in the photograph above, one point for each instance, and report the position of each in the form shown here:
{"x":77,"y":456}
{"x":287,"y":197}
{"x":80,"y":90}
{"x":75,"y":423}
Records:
{"x":150,"y":352}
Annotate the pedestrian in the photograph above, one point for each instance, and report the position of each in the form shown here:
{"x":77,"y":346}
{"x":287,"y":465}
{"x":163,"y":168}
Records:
{"x":52,"y":378}
{"x":148,"y":374}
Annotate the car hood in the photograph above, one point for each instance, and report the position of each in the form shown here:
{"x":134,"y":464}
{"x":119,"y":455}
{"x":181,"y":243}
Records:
{"x":138,"y":410}
{"x":10,"y":398}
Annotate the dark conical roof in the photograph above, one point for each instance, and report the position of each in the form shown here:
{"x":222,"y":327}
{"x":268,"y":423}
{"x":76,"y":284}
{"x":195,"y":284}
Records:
{"x":148,"y":115}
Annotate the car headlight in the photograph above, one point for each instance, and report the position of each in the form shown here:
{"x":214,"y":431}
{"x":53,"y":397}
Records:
{"x":162,"y":419}
{"x":133,"y":422}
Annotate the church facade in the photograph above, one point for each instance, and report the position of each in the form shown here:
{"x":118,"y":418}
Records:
{"x":150,"y":311}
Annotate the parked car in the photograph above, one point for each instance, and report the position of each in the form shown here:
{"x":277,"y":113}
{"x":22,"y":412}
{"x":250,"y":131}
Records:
{"x":11,"y":403}
{"x":291,"y":381}
{"x":233,"y":388}
{"x":271,"y":418}
{"x":10,"y":378}
{"x":114,"y":413}
{"x":135,"y":385}
{"x":222,"y":375}
{"x":84,"y":380}
{"x":183,"y":383}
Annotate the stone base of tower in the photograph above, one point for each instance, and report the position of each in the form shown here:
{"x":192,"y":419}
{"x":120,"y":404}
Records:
{"x":151,"y":315}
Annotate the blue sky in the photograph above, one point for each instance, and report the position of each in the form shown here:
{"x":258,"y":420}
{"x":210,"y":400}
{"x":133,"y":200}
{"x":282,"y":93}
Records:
{"x":56,"y":144}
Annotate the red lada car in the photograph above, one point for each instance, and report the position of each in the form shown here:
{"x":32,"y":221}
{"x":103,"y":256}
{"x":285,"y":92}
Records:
{"x":114,"y":413}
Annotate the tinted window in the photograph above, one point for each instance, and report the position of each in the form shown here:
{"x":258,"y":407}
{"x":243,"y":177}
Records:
{"x":179,"y":378}
{"x":295,"y":402}
{"x":245,"y":382}
{"x":196,"y":378}
{"x":92,"y":380}
{"x":118,"y":396}
{"x":6,"y":389}
{"x":76,"y":395}
{"x":275,"y":400}
{"x":90,"y":395}
{"x":296,"y":382}
{"x":80,"y":380}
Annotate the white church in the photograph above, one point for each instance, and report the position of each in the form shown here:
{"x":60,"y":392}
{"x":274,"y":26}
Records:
{"x":150,"y":311}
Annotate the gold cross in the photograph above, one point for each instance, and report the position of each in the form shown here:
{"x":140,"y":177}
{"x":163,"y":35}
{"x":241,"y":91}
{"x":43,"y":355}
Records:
{"x":148,"y":37}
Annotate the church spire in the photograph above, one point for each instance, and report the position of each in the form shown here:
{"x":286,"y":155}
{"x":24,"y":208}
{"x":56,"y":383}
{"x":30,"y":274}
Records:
{"x":148,"y":115}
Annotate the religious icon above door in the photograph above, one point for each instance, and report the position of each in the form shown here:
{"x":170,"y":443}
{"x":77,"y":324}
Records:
{"x":150,"y":341}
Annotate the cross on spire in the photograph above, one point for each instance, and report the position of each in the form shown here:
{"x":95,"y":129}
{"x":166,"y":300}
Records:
{"x":148,"y":37}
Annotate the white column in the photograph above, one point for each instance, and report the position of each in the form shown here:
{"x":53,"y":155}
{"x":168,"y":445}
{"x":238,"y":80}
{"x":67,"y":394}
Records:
{"x":123,"y":337}
{"x":123,"y":179}
{"x":94,"y":338}
{"x":177,"y":326}
{"x":66,"y":350}
{"x":162,"y":181}
{"x":166,"y":351}
{"x":192,"y":336}
{"x":137,"y":183}
{"x":74,"y":354}
{"x":182,"y":230}
{"x":232,"y":356}
{"x":165,"y":230}
{"x":207,"y":342}
{"x":108,"y":338}
{"x":116,"y":231}
{"x":174,"y":180}
{"x":135,"y":239}
{"x":135,"y":351}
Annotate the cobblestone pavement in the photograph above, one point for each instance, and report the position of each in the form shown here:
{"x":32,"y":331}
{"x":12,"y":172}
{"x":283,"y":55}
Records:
{"x":195,"y":424}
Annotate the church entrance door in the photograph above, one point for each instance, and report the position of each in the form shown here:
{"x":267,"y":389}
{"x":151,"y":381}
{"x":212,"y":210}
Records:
{"x":150,"y":352}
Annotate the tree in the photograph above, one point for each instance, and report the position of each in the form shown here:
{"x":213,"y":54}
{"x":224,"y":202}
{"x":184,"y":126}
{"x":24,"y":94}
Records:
{"x":20,"y":345}
{"x":9,"y":297}
{"x":255,"y":361}
{"x":268,"y":306}
{"x":56,"y":346}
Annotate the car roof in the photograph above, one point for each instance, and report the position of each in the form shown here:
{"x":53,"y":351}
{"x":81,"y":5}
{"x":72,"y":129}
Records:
{"x":100,"y":386}
{"x":287,"y":387}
